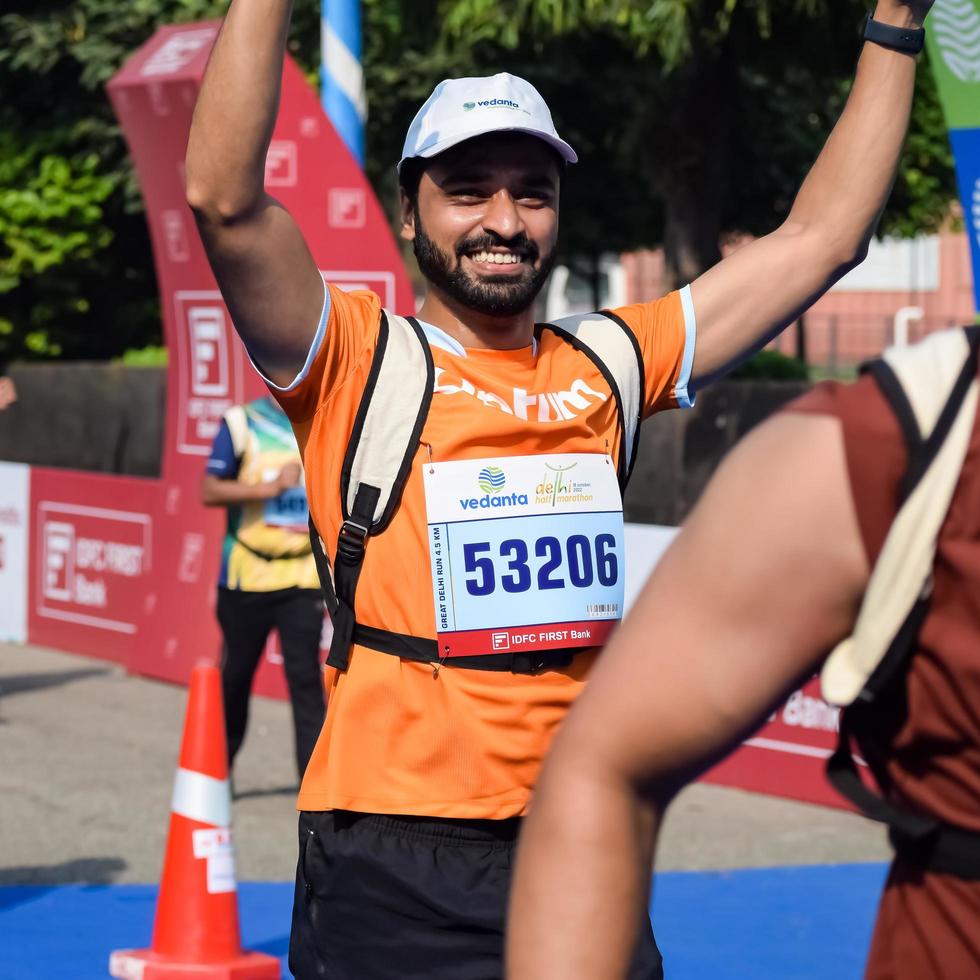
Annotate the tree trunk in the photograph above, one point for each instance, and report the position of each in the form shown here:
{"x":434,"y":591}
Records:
{"x":595,"y":281}
{"x":690,"y":143}
{"x":692,"y":228}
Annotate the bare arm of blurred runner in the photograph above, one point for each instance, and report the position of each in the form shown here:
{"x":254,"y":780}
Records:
{"x":266,"y":273}
{"x":755,"y":292}
{"x":218,"y":492}
{"x":765,"y":578}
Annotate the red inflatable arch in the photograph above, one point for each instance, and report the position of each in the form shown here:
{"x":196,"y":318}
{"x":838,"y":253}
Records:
{"x":125,"y":568}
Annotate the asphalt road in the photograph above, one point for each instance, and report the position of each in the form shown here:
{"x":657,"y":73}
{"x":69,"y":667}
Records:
{"x":87,"y":757}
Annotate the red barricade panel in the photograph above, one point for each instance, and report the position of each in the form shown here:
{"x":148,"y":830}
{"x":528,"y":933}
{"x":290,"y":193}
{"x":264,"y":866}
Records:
{"x":787,"y":756}
{"x":94,"y":582}
{"x":156,"y":614}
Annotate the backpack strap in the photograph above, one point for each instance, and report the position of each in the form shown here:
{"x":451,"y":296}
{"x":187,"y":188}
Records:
{"x":922,"y":840}
{"x":613,"y":348}
{"x":377,"y":464}
{"x":237,"y":422}
{"x":379,"y":456}
{"x":933,"y":390}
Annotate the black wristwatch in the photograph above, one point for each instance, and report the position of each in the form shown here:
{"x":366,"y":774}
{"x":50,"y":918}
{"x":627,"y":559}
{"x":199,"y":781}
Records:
{"x":897,"y":38}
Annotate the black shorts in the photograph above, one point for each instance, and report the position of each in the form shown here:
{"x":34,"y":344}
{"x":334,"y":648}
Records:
{"x":382,"y":897}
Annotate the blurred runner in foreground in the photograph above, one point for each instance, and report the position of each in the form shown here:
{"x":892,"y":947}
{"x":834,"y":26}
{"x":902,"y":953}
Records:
{"x":460,"y":643}
{"x":769,"y":573}
{"x":268,"y":577}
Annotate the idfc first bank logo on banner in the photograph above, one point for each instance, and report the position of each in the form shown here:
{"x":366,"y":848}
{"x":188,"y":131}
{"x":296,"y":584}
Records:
{"x":953,"y":37}
{"x":93,"y":565}
{"x":210,"y":368}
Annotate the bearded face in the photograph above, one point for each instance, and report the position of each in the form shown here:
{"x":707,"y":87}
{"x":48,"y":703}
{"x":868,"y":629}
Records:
{"x":486,"y":273}
{"x":484,"y":222}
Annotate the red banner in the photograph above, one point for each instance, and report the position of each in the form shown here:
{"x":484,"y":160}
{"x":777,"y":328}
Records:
{"x":94,"y":562}
{"x":125,"y":569}
{"x":787,"y":756}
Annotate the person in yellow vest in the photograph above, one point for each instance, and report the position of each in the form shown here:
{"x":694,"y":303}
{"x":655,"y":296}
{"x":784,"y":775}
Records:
{"x":268,"y":576}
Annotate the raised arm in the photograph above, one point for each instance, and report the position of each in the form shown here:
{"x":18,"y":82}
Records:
{"x":749,"y":297}
{"x":266,"y":273}
{"x":762,"y":581}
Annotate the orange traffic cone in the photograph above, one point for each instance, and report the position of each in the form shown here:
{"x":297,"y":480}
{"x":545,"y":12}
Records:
{"x":196,"y":929}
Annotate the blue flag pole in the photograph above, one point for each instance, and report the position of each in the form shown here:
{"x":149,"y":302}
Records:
{"x":341,"y":75}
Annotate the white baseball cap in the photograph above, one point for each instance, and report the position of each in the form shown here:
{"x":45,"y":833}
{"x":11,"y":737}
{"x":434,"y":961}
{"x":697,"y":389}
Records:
{"x":461,"y":108}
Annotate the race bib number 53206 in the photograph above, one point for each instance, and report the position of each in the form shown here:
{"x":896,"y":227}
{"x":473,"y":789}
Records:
{"x":526,"y":552}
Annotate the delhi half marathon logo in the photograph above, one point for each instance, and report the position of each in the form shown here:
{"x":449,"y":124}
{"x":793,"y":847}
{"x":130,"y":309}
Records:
{"x":553,"y":485}
{"x":491,"y":479}
{"x":956,"y":24}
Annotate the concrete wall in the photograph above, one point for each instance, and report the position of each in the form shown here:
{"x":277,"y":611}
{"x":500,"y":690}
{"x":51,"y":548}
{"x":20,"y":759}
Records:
{"x":109,"y":418}
{"x":105,"y":418}
{"x":679,"y":450}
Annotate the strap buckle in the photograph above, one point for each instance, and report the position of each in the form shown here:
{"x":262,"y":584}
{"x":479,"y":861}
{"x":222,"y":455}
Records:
{"x":350,"y":541}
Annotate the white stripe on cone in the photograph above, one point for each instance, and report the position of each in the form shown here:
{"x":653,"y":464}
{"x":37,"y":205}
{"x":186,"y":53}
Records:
{"x":202,"y":798}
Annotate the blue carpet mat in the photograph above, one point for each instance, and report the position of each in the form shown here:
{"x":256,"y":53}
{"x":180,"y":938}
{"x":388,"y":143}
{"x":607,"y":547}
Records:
{"x":803,"y":923}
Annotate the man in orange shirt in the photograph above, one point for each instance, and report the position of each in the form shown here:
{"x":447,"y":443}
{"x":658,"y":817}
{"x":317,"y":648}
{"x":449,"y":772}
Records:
{"x":508,"y":532}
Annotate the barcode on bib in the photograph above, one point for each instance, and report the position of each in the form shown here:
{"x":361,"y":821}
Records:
{"x":603,"y":608}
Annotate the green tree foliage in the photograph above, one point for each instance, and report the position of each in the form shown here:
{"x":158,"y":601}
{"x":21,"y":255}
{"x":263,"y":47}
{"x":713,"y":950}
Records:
{"x":695,"y":117}
{"x":50,"y":218}
{"x":771,"y":365}
{"x":691,"y":117}
{"x":76,"y":271}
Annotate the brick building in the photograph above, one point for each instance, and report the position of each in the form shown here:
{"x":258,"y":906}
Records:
{"x":857,"y":318}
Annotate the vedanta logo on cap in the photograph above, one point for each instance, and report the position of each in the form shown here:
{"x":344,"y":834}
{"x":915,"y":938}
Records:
{"x":488,"y":102}
{"x":447,"y":116}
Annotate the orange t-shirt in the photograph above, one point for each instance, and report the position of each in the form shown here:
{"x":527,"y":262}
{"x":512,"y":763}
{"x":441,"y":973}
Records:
{"x":464,"y":743}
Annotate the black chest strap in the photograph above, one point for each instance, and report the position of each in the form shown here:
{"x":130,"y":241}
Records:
{"x":423,"y":650}
{"x":347,"y":570}
{"x":921,"y":840}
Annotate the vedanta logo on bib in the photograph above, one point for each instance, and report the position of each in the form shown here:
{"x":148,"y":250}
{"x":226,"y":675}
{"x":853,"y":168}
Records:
{"x":501,"y":500}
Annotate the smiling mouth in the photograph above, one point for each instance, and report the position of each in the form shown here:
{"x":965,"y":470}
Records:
{"x":496,"y":260}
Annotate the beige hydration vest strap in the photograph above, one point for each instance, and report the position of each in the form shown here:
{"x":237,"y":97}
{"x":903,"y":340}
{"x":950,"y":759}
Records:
{"x":616,"y":353}
{"x":927,"y":376}
{"x":237,"y":422}
{"x":385,"y":439}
